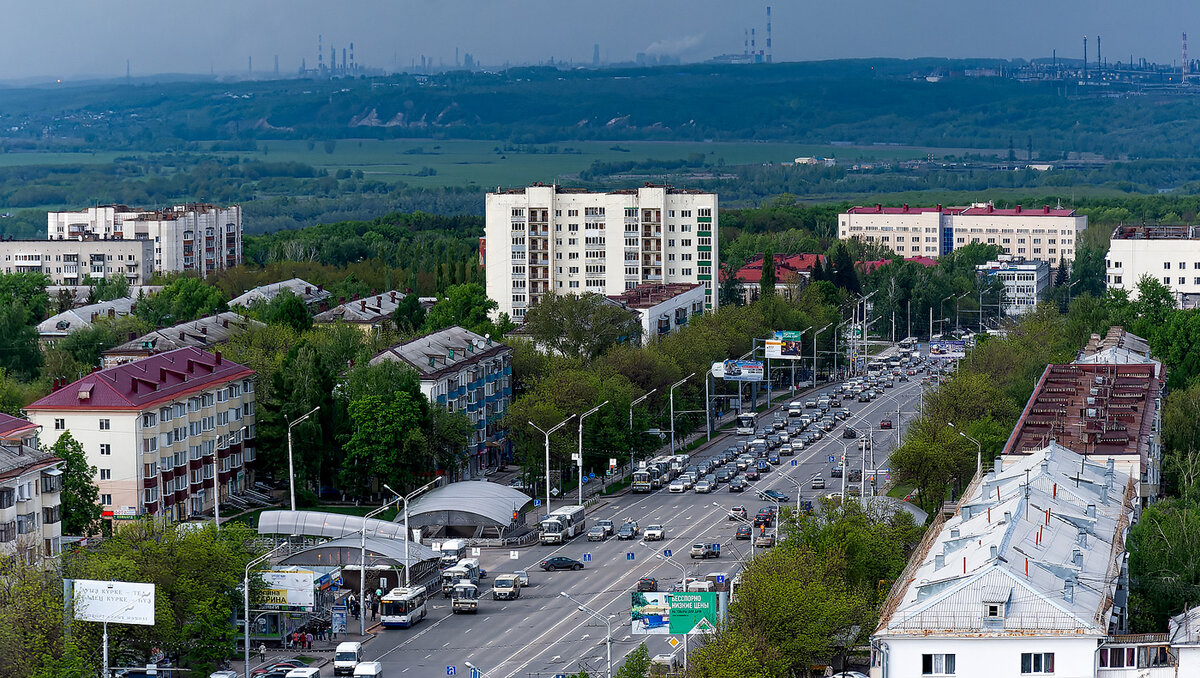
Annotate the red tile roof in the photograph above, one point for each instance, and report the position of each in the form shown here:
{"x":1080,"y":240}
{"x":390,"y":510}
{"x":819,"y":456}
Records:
{"x":1043,"y":211}
{"x":143,"y":383}
{"x":870,"y":266}
{"x":785,"y":264}
{"x":12,"y":428}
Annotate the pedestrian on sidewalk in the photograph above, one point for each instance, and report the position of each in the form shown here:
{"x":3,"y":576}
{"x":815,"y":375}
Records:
{"x":308,"y":639}
{"x":262,"y":652}
{"x":374,"y":609}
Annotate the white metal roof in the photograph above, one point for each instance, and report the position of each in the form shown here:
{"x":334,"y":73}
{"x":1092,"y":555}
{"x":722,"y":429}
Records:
{"x":491,"y":501}
{"x":322,"y":524}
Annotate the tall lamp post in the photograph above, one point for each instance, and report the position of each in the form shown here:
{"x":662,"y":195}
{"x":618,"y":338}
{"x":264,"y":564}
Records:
{"x":815,"y":335}
{"x":547,"y":434}
{"x":836,"y":332}
{"x":978,"y":448}
{"x":407,"y":534}
{"x":735,"y":516}
{"x":581,"y":418}
{"x":672,"y":399}
{"x":362,"y":564}
{"x":596,"y":615}
{"x":956,"y":311}
{"x":246,"y":602}
{"x":647,"y":395}
{"x":291,"y":464}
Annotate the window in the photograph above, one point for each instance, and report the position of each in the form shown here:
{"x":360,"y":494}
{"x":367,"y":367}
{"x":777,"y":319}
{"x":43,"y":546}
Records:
{"x":1167,"y":265}
{"x":1182,"y":280}
{"x":1166,"y":280}
{"x":105,"y":424}
{"x":704,"y":212}
{"x":1037,"y":662}
{"x":993,"y":610}
{"x":105,"y":450}
{"x":1182,"y":265}
{"x":105,"y":474}
{"x":937,"y":665}
{"x":149,"y":419}
{"x":60,"y":424}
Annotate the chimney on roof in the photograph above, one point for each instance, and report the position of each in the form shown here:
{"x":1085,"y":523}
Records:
{"x":362,"y":305}
{"x":1008,"y":516}
{"x":1045,"y":209}
{"x":994,"y":552}
{"x":939,"y":207}
{"x":879,"y":206}
{"x":990,"y":207}
{"x":379,"y":299}
{"x":218,"y":357}
{"x":1091,"y":511}
{"x":392,"y":294}
{"x":341,"y":300}
{"x":224,"y":322}
{"x":181,"y":335}
{"x":1077,"y":558}
{"x":1069,"y":591}
{"x":954,"y":533}
{"x":204,"y":329}
{"x":1018,"y":209}
{"x":307,"y":290}
{"x":112,"y":312}
{"x":939,"y":561}
{"x":320,"y":288}
{"x":905,"y":207}
{"x":998,"y":464}
{"x":95,"y":315}
{"x":1081,"y":537}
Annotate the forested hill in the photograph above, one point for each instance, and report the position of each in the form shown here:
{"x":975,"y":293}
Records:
{"x":861,"y":101}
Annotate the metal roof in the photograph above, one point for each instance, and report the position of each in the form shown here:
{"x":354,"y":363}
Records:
{"x":323,"y":524}
{"x":76,"y":319}
{"x":445,"y":349}
{"x":308,"y":293}
{"x":492,"y":502}
{"x":349,"y":551}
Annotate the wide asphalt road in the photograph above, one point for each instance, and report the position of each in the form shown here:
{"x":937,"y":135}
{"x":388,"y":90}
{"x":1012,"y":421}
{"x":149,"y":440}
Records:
{"x":544,"y":634}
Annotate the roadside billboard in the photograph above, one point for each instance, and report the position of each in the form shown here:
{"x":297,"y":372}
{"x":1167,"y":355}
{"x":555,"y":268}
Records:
{"x":120,"y":602}
{"x":672,"y":612}
{"x":786,"y":346}
{"x":738,"y":370}
{"x":945,"y":350}
{"x":650,"y":613}
{"x":287,"y":589}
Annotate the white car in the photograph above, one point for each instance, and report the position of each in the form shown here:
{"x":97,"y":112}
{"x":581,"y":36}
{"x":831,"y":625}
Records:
{"x":703,"y":487}
{"x":655,"y":533}
{"x":676,"y":487}
{"x":688,"y":480}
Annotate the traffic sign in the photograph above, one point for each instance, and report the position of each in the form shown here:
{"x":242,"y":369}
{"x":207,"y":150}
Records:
{"x":592,"y":476}
{"x":831,"y":459}
{"x":475,"y":673}
{"x":795,"y":463}
{"x":629,"y":556}
{"x":451,"y":670}
{"x":587,"y":557}
{"x":475,"y":552}
{"x":716,"y":548}
{"x":667,"y":553}
{"x":720,"y":579}
{"x":673,"y":642}
{"x":537,"y":503}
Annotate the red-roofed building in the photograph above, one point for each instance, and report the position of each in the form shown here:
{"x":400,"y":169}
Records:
{"x":871,"y":266}
{"x":789,"y":269}
{"x":1041,"y":233}
{"x":30,"y":491}
{"x":160,"y":431}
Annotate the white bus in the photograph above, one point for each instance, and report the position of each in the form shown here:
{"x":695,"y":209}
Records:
{"x":403,"y":607}
{"x":563,"y":524}
{"x":641,"y":481}
{"x":745,"y":424}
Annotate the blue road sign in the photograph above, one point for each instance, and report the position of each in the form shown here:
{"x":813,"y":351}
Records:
{"x":795,"y":463}
{"x":720,"y":579}
{"x":451,"y":670}
{"x":587,"y":557}
{"x":831,"y":459}
{"x":629,"y":556}
{"x":475,"y":673}
{"x":592,"y":475}
{"x":716,"y":548}
{"x":667,"y":553}
{"x":537,"y":503}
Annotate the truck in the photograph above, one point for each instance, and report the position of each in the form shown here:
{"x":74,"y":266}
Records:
{"x":467,"y":568}
{"x":452,"y":550}
{"x":506,"y":587}
{"x":464,"y":597}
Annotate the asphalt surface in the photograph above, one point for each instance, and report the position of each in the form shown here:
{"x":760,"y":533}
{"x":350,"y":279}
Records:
{"x":544,"y":634}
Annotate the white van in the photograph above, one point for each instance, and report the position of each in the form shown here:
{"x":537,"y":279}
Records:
{"x":346,"y":657}
{"x":306,"y":672}
{"x":368,"y":670}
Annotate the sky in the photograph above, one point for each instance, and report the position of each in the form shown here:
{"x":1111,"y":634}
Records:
{"x":87,"y":38}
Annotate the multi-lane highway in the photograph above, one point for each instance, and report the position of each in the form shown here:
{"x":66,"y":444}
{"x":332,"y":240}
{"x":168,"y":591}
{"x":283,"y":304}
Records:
{"x":543,"y":633}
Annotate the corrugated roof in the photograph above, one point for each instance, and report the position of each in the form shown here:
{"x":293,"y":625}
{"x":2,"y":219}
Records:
{"x":324,"y":524}
{"x":489,"y":500}
{"x":207,"y":331}
{"x":370,"y":309}
{"x":307,"y":291}
{"x":75,"y":319}
{"x":442,"y":350}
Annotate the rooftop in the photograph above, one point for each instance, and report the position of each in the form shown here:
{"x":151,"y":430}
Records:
{"x":786,"y":265}
{"x":648,"y":295}
{"x":444,"y":350}
{"x":977,"y":209}
{"x":18,"y":453}
{"x":308,"y":292}
{"x":1157,"y":232}
{"x":140,"y":384}
{"x":207,"y":331}
{"x":1096,"y":409}
{"x":870,"y":266}
{"x":140,"y":214}
{"x":1012,"y":265}
{"x":1041,"y":539}
{"x":75,"y":319}
{"x":1119,"y":347}
{"x":368,"y":310}
{"x":586,"y":191}
{"x":16,"y":428}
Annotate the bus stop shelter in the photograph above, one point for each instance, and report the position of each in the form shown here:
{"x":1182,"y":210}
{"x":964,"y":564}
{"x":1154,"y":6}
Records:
{"x":471,"y":508}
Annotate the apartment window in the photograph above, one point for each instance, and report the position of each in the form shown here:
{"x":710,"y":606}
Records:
{"x":670,"y":243}
{"x":573,"y":228}
{"x":1182,"y":265}
{"x":105,"y":450}
{"x":1037,"y":662}
{"x":1182,"y":280}
{"x":165,"y":414}
{"x":704,"y":212}
{"x":937,"y":665}
{"x":572,"y":213}
{"x":105,"y":474}
{"x":149,"y":419}
{"x":1166,"y":280}
{"x":572,"y":255}
{"x":60,"y":424}
{"x":1166,"y":265}
{"x":105,"y":424}
{"x":573,"y":283}
{"x":518,"y":212}
{"x":572,"y":241}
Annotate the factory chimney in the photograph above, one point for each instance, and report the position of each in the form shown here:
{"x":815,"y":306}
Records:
{"x":768,"y":58}
{"x":1085,"y":57}
{"x":1184,"y":61}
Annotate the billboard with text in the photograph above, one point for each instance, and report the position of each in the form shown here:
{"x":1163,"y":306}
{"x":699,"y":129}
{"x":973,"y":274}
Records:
{"x":120,"y":602}
{"x":945,"y":350}
{"x":786,"y":346}
{"x":738,"y":370}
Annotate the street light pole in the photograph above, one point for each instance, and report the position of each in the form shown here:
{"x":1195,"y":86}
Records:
{"x":802,"y":352}
{"x":735,"y":516}
{"x":246,"y":601}
{"x":407,"y":533}
{"x":815,"y":335}
{"x":647,"y":395}
{"x":596,"y":615}
{"x":547,"y":434}
{"x":581,"y":418}
{"x":362,"y":565}
{"x":291,"y":464}
{"x":957,"y":331}
{"x":836,"y":332}
{"x":672,"y":398}
{"x":978,"y":448}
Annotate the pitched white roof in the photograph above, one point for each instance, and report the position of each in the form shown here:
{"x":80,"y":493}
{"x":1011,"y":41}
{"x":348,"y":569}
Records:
{"x":308,"y":292}
{"x":75,"y":319}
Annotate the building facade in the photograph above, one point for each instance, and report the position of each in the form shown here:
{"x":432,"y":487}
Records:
{"x":464,"y":372}
{"x":1169,"y":254}
{"x":572,"y":241}
{"x":1044,"y":234}
{"x":792,"y":271}
{"x":663,"y":309}
{"x":164,"y":433}
{"x":1023,"y":282}
{"x":193,"y":237}
{"x":69,"y":262}
{"x":30,"y":492}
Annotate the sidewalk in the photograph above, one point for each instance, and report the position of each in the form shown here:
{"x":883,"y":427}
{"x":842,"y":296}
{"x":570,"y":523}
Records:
{"x":320,"y":654}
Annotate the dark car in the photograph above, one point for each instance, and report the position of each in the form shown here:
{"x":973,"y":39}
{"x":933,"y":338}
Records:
{"x":627,"y":531}
{"x":276,"y":667}
{"x":725,"y":475}
{"x":886,"y":423}
{"x":763,"y":518}
{"x":835,"y":472}
{"x":738,"y":484}
{"x":751,"y":473}
{"x":560,"y":563}
{"x":743,"y":532}
{"x":849,"y":432}
{"x":647,"y":584}
{"x":774,"y":495}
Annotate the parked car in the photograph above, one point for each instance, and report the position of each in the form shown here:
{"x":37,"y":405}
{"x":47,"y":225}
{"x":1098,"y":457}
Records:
{"x":647,"y":584}
{"x":743,"y":532}
{"x":560,"y":563}
{"x":655,"y":532}
{"x":597,"y":533}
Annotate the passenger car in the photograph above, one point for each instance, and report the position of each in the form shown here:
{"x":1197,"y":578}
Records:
{"x":627,"y":531}
{"x":704,"y":487}
{"x":655,"y":533}
{"x":743,"y":532}
{"x":774,"y":495}
{"x":647,"y":584}
{"x":737,"y":512}
{"x":886,"y":423}
{"x":764,"y":541}
{"x":738,"y":484}
{"x":703,"y":551}
{"x":560,"y":563}
{"x":597,"y":533}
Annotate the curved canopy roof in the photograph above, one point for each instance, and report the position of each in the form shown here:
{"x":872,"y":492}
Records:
{"x":469,"y":502}
{"x":346,"y":551}
{"x":322,"y":524}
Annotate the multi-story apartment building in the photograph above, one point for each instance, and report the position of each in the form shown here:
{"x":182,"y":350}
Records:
{"x":464,"y":372}
{"x":194,"y":237}
{"x":30,"y":491}
{"x":1046,"y":234}
{"x":68,"y":262}
{"x":543,"y":239}
{"x":1023,"y":282}
{"x":1170,"y":254}
{"x":662,"y":309}
{"x":162,"y":432}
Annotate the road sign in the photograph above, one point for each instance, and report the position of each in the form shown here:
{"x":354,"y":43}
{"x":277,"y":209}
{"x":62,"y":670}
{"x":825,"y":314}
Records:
{"x":587,"y":557}
{"x":475,"y":552}
{"x":673,"y":642}
{"x":537,"y":503}
{"x":716,"y":548}
{"x":554,"y":492}
{"x":592,"y":476}
{"x":629,"y":556}
{"x":720,"y":579}
{"x":612,"y":462}
{"x":795,"y":463}
{"x":451,"y":670}
{"x":475,"y":673}
{"x":667,"y":553}
{"x":514,"y":555}
{"x":688,"y":610}
{"x":831,"y":459}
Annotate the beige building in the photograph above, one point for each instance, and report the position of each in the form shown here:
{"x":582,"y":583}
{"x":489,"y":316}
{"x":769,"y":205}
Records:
{"x":193,"y":237}
{"x":69,"y":262}
{"x":30,"y":491}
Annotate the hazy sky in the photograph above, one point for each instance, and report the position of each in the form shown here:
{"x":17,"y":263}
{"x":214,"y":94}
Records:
{"x":72,"y":38}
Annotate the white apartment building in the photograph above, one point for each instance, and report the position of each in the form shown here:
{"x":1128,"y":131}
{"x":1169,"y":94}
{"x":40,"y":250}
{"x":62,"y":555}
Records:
{"x":1046,"y":234}
{"x":663,"y":309}
{"x":30,"y":492}
{"x":193,"y":237}
{"x":161,"y":431}
{"x":69,"y":262}
{"x":1027,"y":578}
{"x":1023,"y":282}
{"x":571,"y":241}
{"x":1170,"y":254}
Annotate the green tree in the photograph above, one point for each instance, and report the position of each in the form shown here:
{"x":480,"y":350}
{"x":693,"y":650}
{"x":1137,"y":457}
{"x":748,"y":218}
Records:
{"x":1164,"y":570}
{"x":766,"y":284}
{"x":35,"y":644}
{"x":467,"y":306}
{"x":106,"y":289}
{"x":389,"y":441}
{"x":637,"y":664}
{"x":20,"y":354}
{"x":409,"y":316}
{"x":580,"y":326}
{"x":16,"y":394}
{"x":182,"y":300}
{"x":86,"y":345}
{"x":731,"y":291}
{"x":844,"y":275}
{"x":27,"y":290}
{"x":81,"y":506}
{"x":286,"y":309}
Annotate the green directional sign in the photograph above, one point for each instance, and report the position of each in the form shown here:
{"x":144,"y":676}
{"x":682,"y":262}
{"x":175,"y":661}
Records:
{"x":693,"y":611}
{"x":788,"y":335}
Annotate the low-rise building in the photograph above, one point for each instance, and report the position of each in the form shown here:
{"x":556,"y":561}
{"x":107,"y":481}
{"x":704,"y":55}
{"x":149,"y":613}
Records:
{"x":62,"y":324}
{"x":80,"y":294}
{"x":464,"y":372}
{"x":1170,"y":254}
{"x":162,"y":432}
{"x":791,"y":270}
{"x":69,"y":262}
{"x":313,"y":296}
{"x":662,"y":309}
{"x":207,"y":332}
{"x":1023,"y":282}
{"x":30,"y":492}
{"x":1026,"y":578}
{"x":369,"y":314}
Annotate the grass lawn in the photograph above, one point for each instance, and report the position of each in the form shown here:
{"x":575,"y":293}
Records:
{"x":900,"y":491}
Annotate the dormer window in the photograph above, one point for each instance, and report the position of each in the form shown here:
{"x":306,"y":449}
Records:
{"x":993,"y":610}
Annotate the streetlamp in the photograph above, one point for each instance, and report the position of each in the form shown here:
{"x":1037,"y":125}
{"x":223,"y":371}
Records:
{"x":547,"y":434}
{"x":672,"y":392}
{"x":291,"y":465}
{"x":362,"y":565}
{"x":956,"y":300}
{"x":814,"y":379}
{"x":407,"y":534}
{"x":647,"y":395}
{"x":865,"y":324}
{"x":978,"y":448}
{"x":815,"y":335}
{"x":836,"y":332}
{"x":581,"y":418}
{"x":246,"y":602}
{"x":596,"y":615}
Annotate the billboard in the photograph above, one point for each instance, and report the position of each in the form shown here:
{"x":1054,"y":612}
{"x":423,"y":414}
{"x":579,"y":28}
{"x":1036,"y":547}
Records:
{"x":944,"y":350}
{"x":120,"y":602}
{"x":786,"y":345}
{"x":672,"y":613}
{"x":286,"y":589}
{"x":738,"y":370}
{"x":650,"y":613}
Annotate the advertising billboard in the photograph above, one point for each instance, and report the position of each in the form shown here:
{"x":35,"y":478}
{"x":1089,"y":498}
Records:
{"x":945,"y":350}
{"x":786,"y":345}
{"x":738,"y":370}
{"x":287,"y":589}
{"x":120,"y":602}
{"x":650,"y":614}
{"x":672,"y":613}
